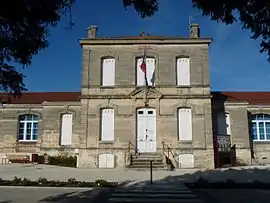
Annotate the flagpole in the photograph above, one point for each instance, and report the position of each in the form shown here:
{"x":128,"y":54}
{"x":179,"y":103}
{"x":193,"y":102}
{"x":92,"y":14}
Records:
{"x":145,"y":81}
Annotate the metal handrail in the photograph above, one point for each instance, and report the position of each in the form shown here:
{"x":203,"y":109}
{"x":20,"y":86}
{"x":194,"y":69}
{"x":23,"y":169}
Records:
{"x":168,"y":150}
{"x":130,"y":145}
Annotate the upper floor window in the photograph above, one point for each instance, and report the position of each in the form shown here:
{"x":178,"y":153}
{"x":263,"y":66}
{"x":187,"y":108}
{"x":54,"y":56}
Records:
{"x":224,"y":123}
{"x":146,"y":73}
{"x":261,"y":127}
{"x":183,"y":71}
{"x":108,"y":72}
{"x":28,"y":127}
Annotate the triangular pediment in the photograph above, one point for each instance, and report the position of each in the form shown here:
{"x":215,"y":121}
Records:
{"x":139,"y":93}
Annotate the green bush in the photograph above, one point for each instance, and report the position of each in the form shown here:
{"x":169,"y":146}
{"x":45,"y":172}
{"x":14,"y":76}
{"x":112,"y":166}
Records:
{"x":61,"y":160}
{"x":71,"y":182}
{"x":102,"y":183}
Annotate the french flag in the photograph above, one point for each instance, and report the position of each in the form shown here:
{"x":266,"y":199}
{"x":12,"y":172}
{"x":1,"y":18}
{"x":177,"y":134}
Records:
{"x":143,"y":67}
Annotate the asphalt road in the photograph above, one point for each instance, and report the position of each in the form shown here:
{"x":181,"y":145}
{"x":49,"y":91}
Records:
{"x":49,"y":195}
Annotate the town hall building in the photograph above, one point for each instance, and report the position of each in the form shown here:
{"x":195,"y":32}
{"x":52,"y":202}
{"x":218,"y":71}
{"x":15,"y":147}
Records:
{"x":125,"y":117}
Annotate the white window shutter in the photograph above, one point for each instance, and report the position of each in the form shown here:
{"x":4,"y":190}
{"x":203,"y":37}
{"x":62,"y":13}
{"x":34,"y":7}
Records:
{"x":108,"y":72}
{"x":228,"y":124}
{"x":223,"y":123}
{"x":183,"y":71}
{"x":140,"y":73}
{"x":107,"y":125}
{"x":110,"y":161}
{"x":185,"y":124}
{"x":186,"y":160}
{"x":66,"y":129}
{"x":106,"y":161}
{"x":150,"y":71}
{"x":102,"y":161}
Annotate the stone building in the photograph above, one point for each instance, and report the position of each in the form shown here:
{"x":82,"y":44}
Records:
{"x":118,"y":121}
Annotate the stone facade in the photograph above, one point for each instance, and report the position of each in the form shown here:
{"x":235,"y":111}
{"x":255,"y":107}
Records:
{"x":125,"y":98}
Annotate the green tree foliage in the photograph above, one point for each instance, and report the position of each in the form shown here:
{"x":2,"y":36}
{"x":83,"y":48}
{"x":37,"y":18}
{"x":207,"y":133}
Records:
{"x":25,"y":24}
{"x":24,"y":27}
{"x":254,"y":15}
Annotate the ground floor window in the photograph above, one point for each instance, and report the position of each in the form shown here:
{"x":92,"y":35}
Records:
{"x":261,"y":127}
{"x":28,"y":127}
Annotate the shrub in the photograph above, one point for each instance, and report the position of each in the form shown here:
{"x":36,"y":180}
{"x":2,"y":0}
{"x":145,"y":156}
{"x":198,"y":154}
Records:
{"x":61,"y":160}
{"x":71,"y":182}
{"x":102,"y":183}
{"x":42,"y":180}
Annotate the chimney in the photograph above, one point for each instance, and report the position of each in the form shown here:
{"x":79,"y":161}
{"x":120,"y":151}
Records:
{"x":194,"y":31}
{"x":92,"y":31}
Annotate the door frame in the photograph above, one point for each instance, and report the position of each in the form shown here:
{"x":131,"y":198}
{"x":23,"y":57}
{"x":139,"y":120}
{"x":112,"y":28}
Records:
{"x":136,"y":127}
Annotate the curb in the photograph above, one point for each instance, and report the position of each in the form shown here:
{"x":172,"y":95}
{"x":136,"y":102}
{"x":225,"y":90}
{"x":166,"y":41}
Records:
{"x":43,"y":187}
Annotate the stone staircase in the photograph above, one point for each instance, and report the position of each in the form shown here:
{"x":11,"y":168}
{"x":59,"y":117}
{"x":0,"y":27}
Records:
{"x":142,"y":161}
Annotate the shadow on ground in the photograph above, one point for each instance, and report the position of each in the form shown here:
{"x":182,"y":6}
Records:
{"x":240,"y":174}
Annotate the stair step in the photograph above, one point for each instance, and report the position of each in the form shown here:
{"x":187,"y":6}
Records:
{"x":145,"y":166}
{"x":142,"y":161}
{"x":146,"y":155}
{"x":147,"y":161}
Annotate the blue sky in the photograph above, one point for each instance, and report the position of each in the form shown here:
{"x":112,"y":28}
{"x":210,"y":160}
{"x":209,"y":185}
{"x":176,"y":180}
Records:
{"x":235,"y":61}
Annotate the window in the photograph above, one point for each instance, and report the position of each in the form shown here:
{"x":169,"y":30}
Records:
{"x":66,"y":129}
{"x":224,"y":123}
{"x":184,"y":124}
{"x":106,"y":161}
{"x":150,"y":72}
{"x":108,"y":72}
{"x":183,"y":71}
{"x":261,"y":127}
{"x":28,"y":127}
{"x":107,"y":125}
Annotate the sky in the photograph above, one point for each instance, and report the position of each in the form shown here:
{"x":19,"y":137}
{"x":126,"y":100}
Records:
{"x":235,"y":61}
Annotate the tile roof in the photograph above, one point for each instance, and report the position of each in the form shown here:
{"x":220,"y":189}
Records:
{"x":40,"y":97}
{"x":249,"y":97}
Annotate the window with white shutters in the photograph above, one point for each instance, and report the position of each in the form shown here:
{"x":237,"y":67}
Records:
{"x":108,"y":72}
{"x":66,"y":129}
{"x":150,"y":72}
{"x":107,"y":125}
{"x":183,"y":71}
{"x":106,"y":161}
{"x":224,"y":123}
{"x":184,"y":124}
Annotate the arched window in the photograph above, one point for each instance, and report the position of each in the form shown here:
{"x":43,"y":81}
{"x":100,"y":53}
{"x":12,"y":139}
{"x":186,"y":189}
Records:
{"x":28,"y":127}
{"x":261,"y":127}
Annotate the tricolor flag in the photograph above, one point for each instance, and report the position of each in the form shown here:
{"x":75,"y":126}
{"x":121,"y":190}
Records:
{"x":143,"y":67}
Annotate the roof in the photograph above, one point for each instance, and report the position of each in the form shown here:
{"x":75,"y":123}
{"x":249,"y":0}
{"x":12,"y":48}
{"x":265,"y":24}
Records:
{"x":40,"y":97}
{"x":150,"y":39}
{"x":249,"y":97}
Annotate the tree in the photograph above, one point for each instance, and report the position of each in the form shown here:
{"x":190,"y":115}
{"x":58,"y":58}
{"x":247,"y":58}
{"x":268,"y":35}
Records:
{"x":254,"y":15}
{"x":24,"y":27}
{"x":25,"y":24}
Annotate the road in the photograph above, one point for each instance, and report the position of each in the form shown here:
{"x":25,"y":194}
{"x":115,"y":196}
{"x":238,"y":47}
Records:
{"x":49,"y":195}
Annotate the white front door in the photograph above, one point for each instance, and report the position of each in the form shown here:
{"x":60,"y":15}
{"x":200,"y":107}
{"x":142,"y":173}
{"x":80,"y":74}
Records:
{"x":146,"y":130}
